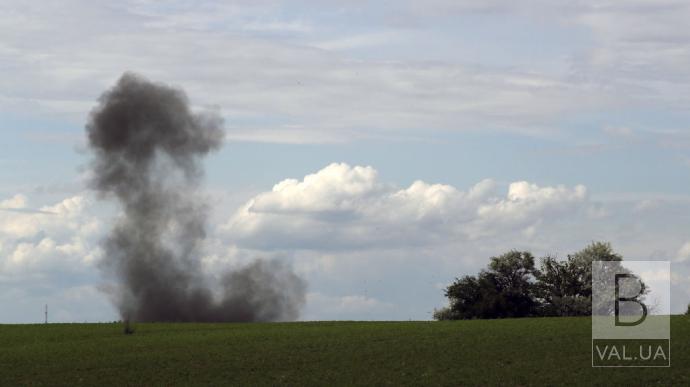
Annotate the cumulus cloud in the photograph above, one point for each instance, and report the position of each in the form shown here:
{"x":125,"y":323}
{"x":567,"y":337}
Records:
{"x":345,"y":207}
{"x":14,"y":203}
{"x":525,"y":203}
{"x":61,"y":236}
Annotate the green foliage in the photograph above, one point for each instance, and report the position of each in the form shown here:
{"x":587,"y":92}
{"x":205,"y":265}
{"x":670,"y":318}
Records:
{"x":444,"y":314}
{"x":524,"y":352}
{"x":564,"y":288}
{"x":504,"y":290}
{"x":512,"y":286}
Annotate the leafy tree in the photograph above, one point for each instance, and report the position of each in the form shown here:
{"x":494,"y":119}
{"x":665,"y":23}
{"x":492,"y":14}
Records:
{"x":465,"y":298}
{"x":511,"y":286}
{"x":564,"y":288}
{"x":504,"y":290}
{"x":512,"y":276}
{"x":579,"y":299}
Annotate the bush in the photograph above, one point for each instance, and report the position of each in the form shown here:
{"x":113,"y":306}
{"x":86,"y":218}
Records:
{"x":444,"y":314}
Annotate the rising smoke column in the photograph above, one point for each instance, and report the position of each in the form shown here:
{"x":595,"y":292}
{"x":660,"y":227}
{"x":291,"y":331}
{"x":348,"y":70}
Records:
{"x":147,"y":145}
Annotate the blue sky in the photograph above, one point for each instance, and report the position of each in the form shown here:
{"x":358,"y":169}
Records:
{"x":441,"y":132}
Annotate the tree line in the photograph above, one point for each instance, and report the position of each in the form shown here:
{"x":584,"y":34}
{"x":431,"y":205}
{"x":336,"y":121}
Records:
{"x":513,"y":286}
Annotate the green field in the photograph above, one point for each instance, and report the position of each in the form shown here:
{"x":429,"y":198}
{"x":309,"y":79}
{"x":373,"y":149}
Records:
{"x":487,"y":352}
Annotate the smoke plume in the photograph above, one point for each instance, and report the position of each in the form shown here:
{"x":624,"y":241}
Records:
{"x":147,"y":146}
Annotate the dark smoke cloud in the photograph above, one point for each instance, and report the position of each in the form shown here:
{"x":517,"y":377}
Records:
{"x":147,"y":145}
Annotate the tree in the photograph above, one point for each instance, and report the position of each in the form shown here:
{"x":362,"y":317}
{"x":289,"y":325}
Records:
{"x":465,"y":297}
{"x":504,"y":290}
{"x":564,"y":288}
{"x":511,"y":286}
{"x":512,"y":276}
{"x":578,"y":300}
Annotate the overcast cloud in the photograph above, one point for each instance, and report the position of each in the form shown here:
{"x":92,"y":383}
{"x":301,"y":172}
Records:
{"x":272,"y":72}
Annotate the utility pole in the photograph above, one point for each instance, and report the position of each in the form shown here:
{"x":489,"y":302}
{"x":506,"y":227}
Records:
{"x":46,"y":313}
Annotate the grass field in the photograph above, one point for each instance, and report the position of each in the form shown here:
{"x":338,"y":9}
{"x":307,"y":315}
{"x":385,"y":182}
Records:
{"x":507,"y":352}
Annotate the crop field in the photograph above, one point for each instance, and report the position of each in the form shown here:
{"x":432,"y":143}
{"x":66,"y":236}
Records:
{"x":479,"y":352}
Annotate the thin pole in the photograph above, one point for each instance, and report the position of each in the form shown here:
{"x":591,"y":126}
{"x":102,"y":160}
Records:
{"x":46,"y":313}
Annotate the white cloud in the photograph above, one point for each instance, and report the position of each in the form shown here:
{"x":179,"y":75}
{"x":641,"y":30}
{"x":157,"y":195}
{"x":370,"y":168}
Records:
{"x":57,"y":236}
{"x":527,"y":202}
{"x":16,"y":202}
{"x":344,"y":207}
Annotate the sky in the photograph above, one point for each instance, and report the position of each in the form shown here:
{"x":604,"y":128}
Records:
{"x":380,"y":149}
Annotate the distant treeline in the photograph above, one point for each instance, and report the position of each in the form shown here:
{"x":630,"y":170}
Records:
{"x":512,"y":286}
